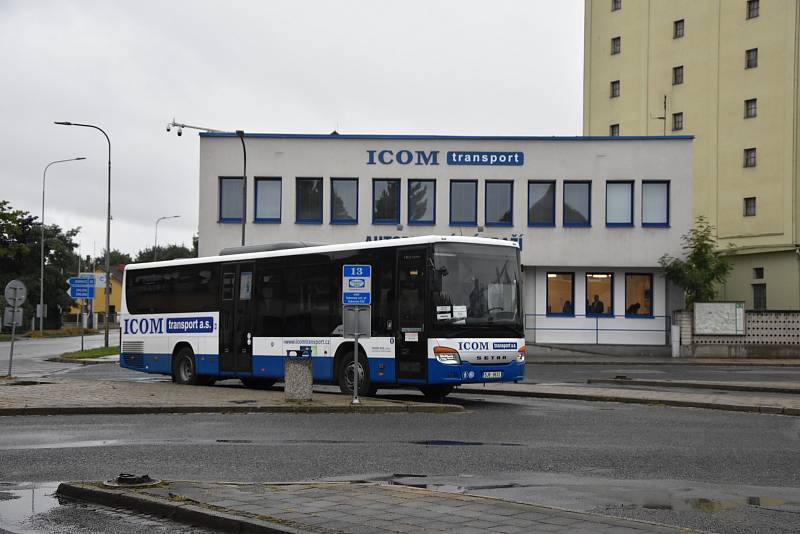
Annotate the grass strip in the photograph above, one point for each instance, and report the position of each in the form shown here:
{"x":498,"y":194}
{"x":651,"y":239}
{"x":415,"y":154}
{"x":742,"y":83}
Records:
{"x":92,"y":353}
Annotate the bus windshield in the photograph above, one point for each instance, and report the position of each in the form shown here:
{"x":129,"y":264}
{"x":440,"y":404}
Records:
{"x":475,"y":286}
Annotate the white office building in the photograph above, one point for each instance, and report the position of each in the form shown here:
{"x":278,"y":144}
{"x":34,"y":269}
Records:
{"x":592,"y":216}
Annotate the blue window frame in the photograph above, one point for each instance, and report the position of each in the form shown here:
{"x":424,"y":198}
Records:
{"x":422,"y":202}
{"x":560,"y":294}
{"x":231,"y":199}
{"x":463,"y":202}
{"x":344,"y":200}
{"x":499,"y":203}
{"x":639,"y":295}
{"x":577,"y":203}
{"x":655,"y":203}
{"x":267,"y":208}
{"x":542,"y":203}
{"x":599,"y":294}
{"x":619,"y":203}
{"x":385,"y":201}
{"x":308,"y":200}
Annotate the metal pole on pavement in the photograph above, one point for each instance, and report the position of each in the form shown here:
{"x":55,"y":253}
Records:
{"x":41,"y":272}
{"x":13,"y":332}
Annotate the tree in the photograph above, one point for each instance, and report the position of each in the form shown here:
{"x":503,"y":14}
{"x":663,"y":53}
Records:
{"x":705,"y":266}
{"x":168,"y":252}
{"x":117,"y":257}
{"x":20,"y":241}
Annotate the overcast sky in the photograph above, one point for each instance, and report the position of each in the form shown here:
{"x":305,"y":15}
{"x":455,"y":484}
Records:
{"x":301,"y":66}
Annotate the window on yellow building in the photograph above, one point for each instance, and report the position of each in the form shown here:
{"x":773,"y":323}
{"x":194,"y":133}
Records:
{"x":749,"y":157}
{"x":677,"y":75}
{"x":751,"y":58}
{"x":677,"y":29}
{"x":616,"y":45}
{"x":752,"y":8}
{"x":750,"y":108}
{"x":616,"y":5}
{"x":677,"y":122}
{"x":615,"y":89}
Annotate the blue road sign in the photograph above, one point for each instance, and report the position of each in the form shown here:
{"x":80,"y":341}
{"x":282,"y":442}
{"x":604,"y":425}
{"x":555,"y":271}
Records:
{"x":81,"y":281}
{"x":81,"y":292}
{"x":356,"y":284}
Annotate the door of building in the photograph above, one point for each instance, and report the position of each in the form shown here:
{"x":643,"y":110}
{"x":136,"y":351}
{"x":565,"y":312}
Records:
{"x":236,"y":319}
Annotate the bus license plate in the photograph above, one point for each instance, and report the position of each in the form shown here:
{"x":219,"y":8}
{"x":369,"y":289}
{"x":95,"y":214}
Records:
{"x":492,"y":374}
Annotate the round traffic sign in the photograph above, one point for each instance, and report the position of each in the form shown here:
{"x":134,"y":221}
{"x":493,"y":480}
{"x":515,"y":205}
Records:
{"x":15,"y":293}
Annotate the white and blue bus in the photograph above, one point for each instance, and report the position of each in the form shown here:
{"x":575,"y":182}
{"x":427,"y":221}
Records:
{"x":445,"y":311}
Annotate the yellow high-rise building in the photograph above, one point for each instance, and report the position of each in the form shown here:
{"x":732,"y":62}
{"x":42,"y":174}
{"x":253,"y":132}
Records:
{"x":727,"y":72}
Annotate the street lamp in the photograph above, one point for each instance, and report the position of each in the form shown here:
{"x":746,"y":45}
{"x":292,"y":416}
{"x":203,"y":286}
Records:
{"x":41,"y":272}
{"x":240,"y":134}
{"x":108,"y":219}
{"x":155,"y":244}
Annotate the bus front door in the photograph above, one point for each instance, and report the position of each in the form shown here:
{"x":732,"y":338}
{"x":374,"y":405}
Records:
{"x":236,"y":332}
{"x":412,"y":342}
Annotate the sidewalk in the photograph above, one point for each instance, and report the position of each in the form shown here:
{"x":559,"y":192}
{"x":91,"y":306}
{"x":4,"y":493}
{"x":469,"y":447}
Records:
{"x":53,"y":397}
{"x":771,"y":404}
{"x":792,"y":388}
{"x":352,"y":508}
{"x":598,"y":359}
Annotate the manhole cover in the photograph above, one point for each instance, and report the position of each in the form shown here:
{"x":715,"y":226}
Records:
{"x":126,"y":480}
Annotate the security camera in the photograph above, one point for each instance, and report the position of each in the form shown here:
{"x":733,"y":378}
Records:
{"x":169,"y":128}
{"x":180,"y":131}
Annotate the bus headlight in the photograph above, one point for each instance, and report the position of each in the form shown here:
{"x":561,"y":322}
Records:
{"x":521,"y":354}
{"x":446,"y":355}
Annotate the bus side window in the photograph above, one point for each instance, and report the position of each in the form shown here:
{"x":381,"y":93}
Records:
{"x":269,"y":303}
{"x":227,"y":285}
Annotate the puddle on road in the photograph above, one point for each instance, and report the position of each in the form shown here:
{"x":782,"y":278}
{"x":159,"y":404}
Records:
{"x":20,"y":502}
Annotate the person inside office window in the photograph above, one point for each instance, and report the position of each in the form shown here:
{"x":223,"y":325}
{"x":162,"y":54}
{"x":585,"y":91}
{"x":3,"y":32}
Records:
{"x":597,"y":306}
{"x":633,"y":309}
{"x":567,"y":308}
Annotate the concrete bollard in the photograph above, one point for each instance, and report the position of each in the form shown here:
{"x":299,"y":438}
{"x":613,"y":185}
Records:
{"x":298,"y":379}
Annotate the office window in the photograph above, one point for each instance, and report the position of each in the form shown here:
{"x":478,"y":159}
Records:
{"x":268,"y":200}
{"x":752,"y":9}
{"x":561,"y":294}
{"x":750,"y":108}
{"x":616,"y":5}
{"x":751,"y":58}
{"x":577,"y":203}
{"x":616,"y":44}
{"x":499,"y":211}
{"x":750,"y":207}
{"x":231,"y":199}
{"x":655,"y":203}
{"x":749,"y":157}
{"x":619,"y":203}
{"x":677,"y":75}
{"x":613,"y":130}
{"x":599,"y":294}
{"x":344,"y":200}
{"x":758,"y":273}
{"x":677,"y":122}
{"x":309,"y":200}
{"x":463,"y":202}
{"x":677,"y":29}
{"x":615,"y":89}
{"x":422,"y":202}
{"x":759,"y":297}
{"x":385,"y":201}
{"x":541,"y":203}
{"x":638,"y":295}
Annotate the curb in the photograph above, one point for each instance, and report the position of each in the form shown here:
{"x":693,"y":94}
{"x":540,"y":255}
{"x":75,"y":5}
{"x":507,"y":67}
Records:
{"x":290,"y":408}
{"x":694,"y":385}
{"x":679,"y":361}
{"x":81,"y":361}
{"x":751,"y":408}
{"x":179,"y":511}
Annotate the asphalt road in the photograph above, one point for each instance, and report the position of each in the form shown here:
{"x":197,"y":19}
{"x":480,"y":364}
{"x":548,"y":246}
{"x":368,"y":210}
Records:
{"x":31,"y":354}
{"x":589,"y":456}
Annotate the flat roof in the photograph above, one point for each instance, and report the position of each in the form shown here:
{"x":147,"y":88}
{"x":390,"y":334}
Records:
{"x":400,"y":241}
{"x":416,"y":137}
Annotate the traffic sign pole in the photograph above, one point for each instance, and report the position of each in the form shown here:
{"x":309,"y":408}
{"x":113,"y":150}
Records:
{"x":13,"y":331}
{"x":357,"y":295}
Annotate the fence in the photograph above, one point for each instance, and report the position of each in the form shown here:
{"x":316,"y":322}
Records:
{"x":767,"y":334}
{"x":598,"y":329}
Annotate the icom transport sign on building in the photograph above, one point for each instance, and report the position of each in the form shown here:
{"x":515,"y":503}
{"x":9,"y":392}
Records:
{"x":590,"y":215}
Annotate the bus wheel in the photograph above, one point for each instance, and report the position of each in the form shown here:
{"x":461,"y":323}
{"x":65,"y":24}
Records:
{"x":346,"y":376}
{"x":436,"y":391}
{"x":258,"y":383}
{"x":183,"y":368}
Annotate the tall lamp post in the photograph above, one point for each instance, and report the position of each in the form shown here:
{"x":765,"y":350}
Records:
{"x":240,"y":135}
{"x":108,"y":220}
{"x":155,"y":244}
{"x":41,"y":272}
